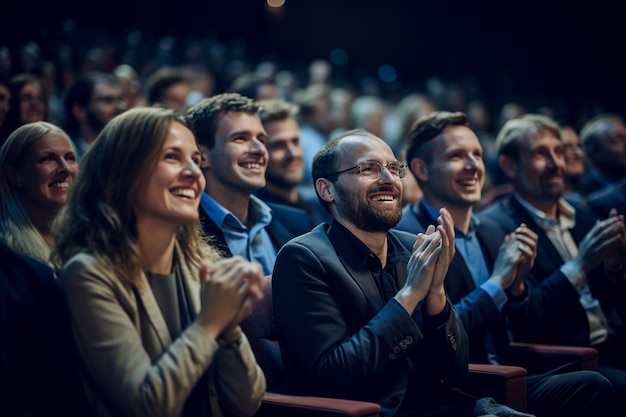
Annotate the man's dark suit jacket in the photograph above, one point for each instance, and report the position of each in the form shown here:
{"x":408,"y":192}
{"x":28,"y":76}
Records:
{"x":612,"y":196}
{"x":340,"y":339}
{"x":475,"y":307}
{"x":39,"y":371}
{"x":552,"y":313}
{"x":287,"y":222}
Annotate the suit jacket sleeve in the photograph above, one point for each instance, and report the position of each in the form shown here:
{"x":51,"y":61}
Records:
{"x":332,"y":337}
{"x":133,"y":368}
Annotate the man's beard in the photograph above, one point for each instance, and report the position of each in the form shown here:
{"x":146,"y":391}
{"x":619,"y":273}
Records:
{"x":371,"y":219}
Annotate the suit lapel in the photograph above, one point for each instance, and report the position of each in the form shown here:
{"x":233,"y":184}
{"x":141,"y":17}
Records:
{"x":355,"y":266}
{"x":153,"y":312}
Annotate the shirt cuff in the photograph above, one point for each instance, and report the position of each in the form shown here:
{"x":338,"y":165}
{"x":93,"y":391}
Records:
{"x":575,"y":275}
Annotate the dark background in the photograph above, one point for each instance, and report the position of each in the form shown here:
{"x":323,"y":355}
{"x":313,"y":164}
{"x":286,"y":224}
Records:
{"x":538,"y":50}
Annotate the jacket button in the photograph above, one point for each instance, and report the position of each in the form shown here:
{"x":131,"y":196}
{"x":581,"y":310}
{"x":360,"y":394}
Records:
{"x":452,"y":340}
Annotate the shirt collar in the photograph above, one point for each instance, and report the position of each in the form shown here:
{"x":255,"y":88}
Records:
{"x":566,"y":214}
{"x":260,"y":213}
{"x":434,"y":213}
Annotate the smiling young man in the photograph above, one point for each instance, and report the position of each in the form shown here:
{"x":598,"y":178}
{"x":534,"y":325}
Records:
{"x":234,"y":159}
{"x":487,"y":274}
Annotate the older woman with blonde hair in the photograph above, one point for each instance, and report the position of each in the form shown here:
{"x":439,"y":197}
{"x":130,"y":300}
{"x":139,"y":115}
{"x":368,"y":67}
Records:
{"x":38,"y":164}
{"x":155,"y":309}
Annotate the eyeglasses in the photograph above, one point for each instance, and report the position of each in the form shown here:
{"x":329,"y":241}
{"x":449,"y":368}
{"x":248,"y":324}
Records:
{"x":372,"y":170}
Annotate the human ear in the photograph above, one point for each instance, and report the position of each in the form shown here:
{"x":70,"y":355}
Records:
{"x":508,"y":166}
{"x":204,"y":157}
{"x":324,"y":189}
{"x":418,"y":167}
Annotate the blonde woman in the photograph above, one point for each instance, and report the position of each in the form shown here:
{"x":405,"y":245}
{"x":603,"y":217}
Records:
{"x":38,"y":164}
{"x":155,"y":310}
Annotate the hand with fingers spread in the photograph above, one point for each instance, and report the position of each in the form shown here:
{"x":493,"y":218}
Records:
{"x":229,"y":289}
{"x":615,"y":255}
{"x":603,"y":242}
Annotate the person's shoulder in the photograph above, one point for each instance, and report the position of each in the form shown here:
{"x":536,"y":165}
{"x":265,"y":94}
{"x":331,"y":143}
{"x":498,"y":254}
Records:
{"x":13,"y":259}
{"x":20,"y":271}
{"x":82,"y":265}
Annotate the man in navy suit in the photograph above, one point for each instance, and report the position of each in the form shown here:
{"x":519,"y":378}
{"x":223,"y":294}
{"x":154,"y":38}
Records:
{"x":577,"y":285}
{"x":234,"y":159}
{"x":488,"y":270}
{"x":608,"y":198}
{"x":360,"y":309}
{"x":39,"y":369}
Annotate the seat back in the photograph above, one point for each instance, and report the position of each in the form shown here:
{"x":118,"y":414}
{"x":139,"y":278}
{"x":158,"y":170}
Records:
{"x":260,"y":330}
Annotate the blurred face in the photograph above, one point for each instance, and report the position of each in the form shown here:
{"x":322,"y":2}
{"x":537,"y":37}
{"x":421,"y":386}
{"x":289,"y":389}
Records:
{"x":172,"y":192}
{"x":456,"y":174}
{"x":33,"y":103}
{"x":107,"y":101}
{"x":286,"y":165}
{"x":538,"y":174}
{"x":611,"y":155}
{"x":175,"y":97}
{"x":5,"y":97}
{"x":237,"y":162}
{"x":572,"y":152}
{"x":373,"y":206}
{"x":47,"y":173}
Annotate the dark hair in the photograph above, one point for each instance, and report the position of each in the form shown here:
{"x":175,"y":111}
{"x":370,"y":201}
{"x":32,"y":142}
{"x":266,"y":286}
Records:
{"x":427,"y":128}
{"x":160,"y":81}
{"x":203,"y":117}
{"x":326,"y":160}
{"x":595,"y":128}
{"x":80,"y":93}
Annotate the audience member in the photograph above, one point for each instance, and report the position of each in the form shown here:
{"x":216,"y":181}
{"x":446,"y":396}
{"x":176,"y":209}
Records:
{"x":39,"y":368}
{"x":604,"y":141}
{"x":360,"y":309}
{"x":130,"y":83}
{"x":169,"y":88}
{"x":576,"y":287}
{"x":38,"y":166}
{"x":28,"y":103}
{"x":488,"y":270}
{"x":285,"y":169}
{"x":5,"y":98}
{"x":315,"y":124}
{"x":155,"y":312}
{"x":232,"y":140}
{"x":608,"y":198}
{"x":90,"y":103}
{"x":574,"y":156}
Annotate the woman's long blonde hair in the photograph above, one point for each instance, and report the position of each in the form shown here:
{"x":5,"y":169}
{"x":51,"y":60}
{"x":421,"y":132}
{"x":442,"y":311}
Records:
{"x":17,"y":229}
{"x":99,"y":217}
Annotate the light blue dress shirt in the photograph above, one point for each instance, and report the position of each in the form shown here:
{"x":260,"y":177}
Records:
{"x":252,"y":243}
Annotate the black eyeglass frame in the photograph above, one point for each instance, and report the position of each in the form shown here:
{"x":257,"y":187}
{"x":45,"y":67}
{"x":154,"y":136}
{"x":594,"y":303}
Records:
{"x":401,"y":166}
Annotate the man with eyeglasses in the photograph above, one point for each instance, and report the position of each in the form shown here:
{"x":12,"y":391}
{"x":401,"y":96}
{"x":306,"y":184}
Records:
{"x":360,"y":309}
{"x":486,"y":278}
{"x":90,"y":103}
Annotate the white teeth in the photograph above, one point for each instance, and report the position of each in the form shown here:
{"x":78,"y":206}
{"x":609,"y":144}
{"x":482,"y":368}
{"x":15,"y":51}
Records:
{"x":62,"y":184}
{"x":468,"y":182}
{"x":383,"y":198}
{"x":252,"y":165}
{"x":186,"y":192}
